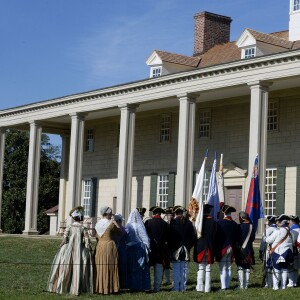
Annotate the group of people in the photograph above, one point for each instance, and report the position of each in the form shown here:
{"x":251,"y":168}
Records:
{"x":123,"y":255}
{"x":279,"y":251}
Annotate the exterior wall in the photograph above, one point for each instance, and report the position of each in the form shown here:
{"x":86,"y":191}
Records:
{"x":290,"y":191}
{"x":229,"y":135}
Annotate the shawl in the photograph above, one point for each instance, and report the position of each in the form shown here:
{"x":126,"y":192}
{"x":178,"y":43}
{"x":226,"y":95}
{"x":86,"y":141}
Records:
{"x":136,"y":229}
{"x":101,"y":226}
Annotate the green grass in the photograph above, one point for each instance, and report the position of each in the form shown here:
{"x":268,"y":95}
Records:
{"x":25,"y":266}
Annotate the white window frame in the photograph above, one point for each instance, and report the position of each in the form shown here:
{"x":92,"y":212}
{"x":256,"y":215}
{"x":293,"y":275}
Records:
{"x":87,"y":193}
{"x":249,"y":52}
{"x":90,"y":138}
{"x":162,"y":190}
{"x":205,"y":123}
{"x":273,"y":116}
{"x":165,"y":127}
{"x":155,"y":72}
{"x":270,"y":191}
{"x":296,"y":5}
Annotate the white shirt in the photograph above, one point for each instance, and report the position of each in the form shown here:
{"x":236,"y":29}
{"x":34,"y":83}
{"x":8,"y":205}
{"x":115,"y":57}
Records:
{"x":277,"y":235}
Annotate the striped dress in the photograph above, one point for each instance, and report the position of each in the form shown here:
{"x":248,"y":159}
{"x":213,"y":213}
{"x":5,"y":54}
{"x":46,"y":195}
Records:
{"x":72,"y":267}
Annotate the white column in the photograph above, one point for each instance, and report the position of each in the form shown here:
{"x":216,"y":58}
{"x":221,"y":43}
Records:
{"x":65,"y":150}
{"x":33,"y":174}
{"x":126,"y":148}
{"x":185,"y":156}
{"x":75,"y":161}
{"x":258,"y":131}
{"x":2,"y":150}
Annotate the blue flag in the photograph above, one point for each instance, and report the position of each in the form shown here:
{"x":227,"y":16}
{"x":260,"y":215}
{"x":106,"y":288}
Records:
{"x":254,"y":207}
{"x":213,"y":195}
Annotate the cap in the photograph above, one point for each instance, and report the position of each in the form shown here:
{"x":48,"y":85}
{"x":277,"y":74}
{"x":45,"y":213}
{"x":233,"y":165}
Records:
{"x":141,"y":210}
{"x":226,"y":209}
{"x":283,"y":217}
{"x":118,"y":218}
{"x":105,"y":210}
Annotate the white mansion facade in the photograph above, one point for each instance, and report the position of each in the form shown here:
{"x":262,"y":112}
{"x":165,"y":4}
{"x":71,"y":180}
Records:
{"x":142,"y":143}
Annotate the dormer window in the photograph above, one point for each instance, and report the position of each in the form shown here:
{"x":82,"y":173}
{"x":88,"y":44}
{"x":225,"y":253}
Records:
{"x":155,"y":72}
{"x":249,"y":52}
{"x":296,"y":5}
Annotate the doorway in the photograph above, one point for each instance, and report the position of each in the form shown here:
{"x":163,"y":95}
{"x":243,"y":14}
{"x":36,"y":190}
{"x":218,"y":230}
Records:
{"x":234,"y":197}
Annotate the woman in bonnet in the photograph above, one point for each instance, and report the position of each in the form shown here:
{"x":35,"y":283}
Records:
{"x":106,"y":255}
{"x":72,"y":267}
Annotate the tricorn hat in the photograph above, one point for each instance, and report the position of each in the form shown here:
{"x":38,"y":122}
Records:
{"x":271,"y":219}
{"x":294,"y":218}
{"x":207,"y":208}
{"x":227,"y":209}
{"x":141,"y":210}
{"x":170,"y":211}
{"x":157,"y":210}
{"x":178,"y":209}
{"x":283,"y":217}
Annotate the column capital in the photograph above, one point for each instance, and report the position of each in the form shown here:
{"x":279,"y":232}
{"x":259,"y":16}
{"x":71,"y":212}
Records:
{"x":188,"y":97}
{"x":131,"y":107}
{"x":80,"y":116}
{"x":33,"y":122}
{"x":264,"y":85}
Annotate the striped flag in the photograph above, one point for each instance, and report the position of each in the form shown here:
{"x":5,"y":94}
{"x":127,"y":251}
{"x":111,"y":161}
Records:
{"x":213,"y":195}
{"x":197,"y":194}
{"x":254,"y":207}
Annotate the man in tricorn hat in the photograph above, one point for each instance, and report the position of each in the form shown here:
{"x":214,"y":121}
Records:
{"x":281,"y":251}
{"x":204,"y":250}
{"x":293,"y":270}
{"x":181,"y":239}
{"x":244,"y":258}
{"x":227,"y":241}
{"x":157,"y":230}
{"x":264,"y":253}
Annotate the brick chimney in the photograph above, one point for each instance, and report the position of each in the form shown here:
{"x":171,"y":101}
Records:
{"x":210,"y":30}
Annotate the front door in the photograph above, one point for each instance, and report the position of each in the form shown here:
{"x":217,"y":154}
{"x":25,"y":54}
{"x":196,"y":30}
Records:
{"x":233,"y":197}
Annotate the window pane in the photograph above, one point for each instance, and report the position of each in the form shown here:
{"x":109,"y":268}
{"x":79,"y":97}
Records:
{"x":87,"y":197}
{"x":163,"y":183}
{"x":270,"y":191}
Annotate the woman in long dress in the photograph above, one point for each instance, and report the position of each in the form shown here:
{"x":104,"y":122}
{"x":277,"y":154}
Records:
{"x":138,"y":244}
{"x":106,"y":256}
{"x":72,"y":267}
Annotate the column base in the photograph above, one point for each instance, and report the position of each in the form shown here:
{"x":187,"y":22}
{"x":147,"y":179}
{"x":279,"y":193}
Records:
{"x":30,"y":232}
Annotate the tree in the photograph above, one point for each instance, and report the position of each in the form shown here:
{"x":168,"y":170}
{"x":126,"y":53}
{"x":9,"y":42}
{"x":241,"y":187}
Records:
{"x":15,"y":181}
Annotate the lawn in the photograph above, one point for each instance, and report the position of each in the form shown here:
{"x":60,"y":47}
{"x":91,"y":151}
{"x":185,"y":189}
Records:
{"x":25,"y":265}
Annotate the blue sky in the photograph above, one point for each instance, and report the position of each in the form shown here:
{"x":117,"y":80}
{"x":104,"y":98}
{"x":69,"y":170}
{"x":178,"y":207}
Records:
{"x":52,"y":48}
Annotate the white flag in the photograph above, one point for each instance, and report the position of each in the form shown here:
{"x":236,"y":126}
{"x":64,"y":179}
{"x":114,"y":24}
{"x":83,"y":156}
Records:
{"x":221,"y":181}
{"x":197,"y":194}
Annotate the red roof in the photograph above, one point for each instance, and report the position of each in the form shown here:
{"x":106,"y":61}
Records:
{"x":52,"y":210}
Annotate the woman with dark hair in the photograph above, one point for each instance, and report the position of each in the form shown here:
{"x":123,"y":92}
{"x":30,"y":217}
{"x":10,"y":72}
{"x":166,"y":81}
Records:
{"x":106,"y":255}
{"x":72,"y":267}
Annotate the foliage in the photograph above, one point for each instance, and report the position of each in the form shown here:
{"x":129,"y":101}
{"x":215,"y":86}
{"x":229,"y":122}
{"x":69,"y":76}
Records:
{"x":15,"y":181}
{"x":26,"y":261}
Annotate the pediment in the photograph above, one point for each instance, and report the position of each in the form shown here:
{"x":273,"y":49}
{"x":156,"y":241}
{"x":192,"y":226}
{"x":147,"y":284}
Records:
{"x":246,"y":40}
{"x":234,"y":171}
{"x":154,"y":59}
